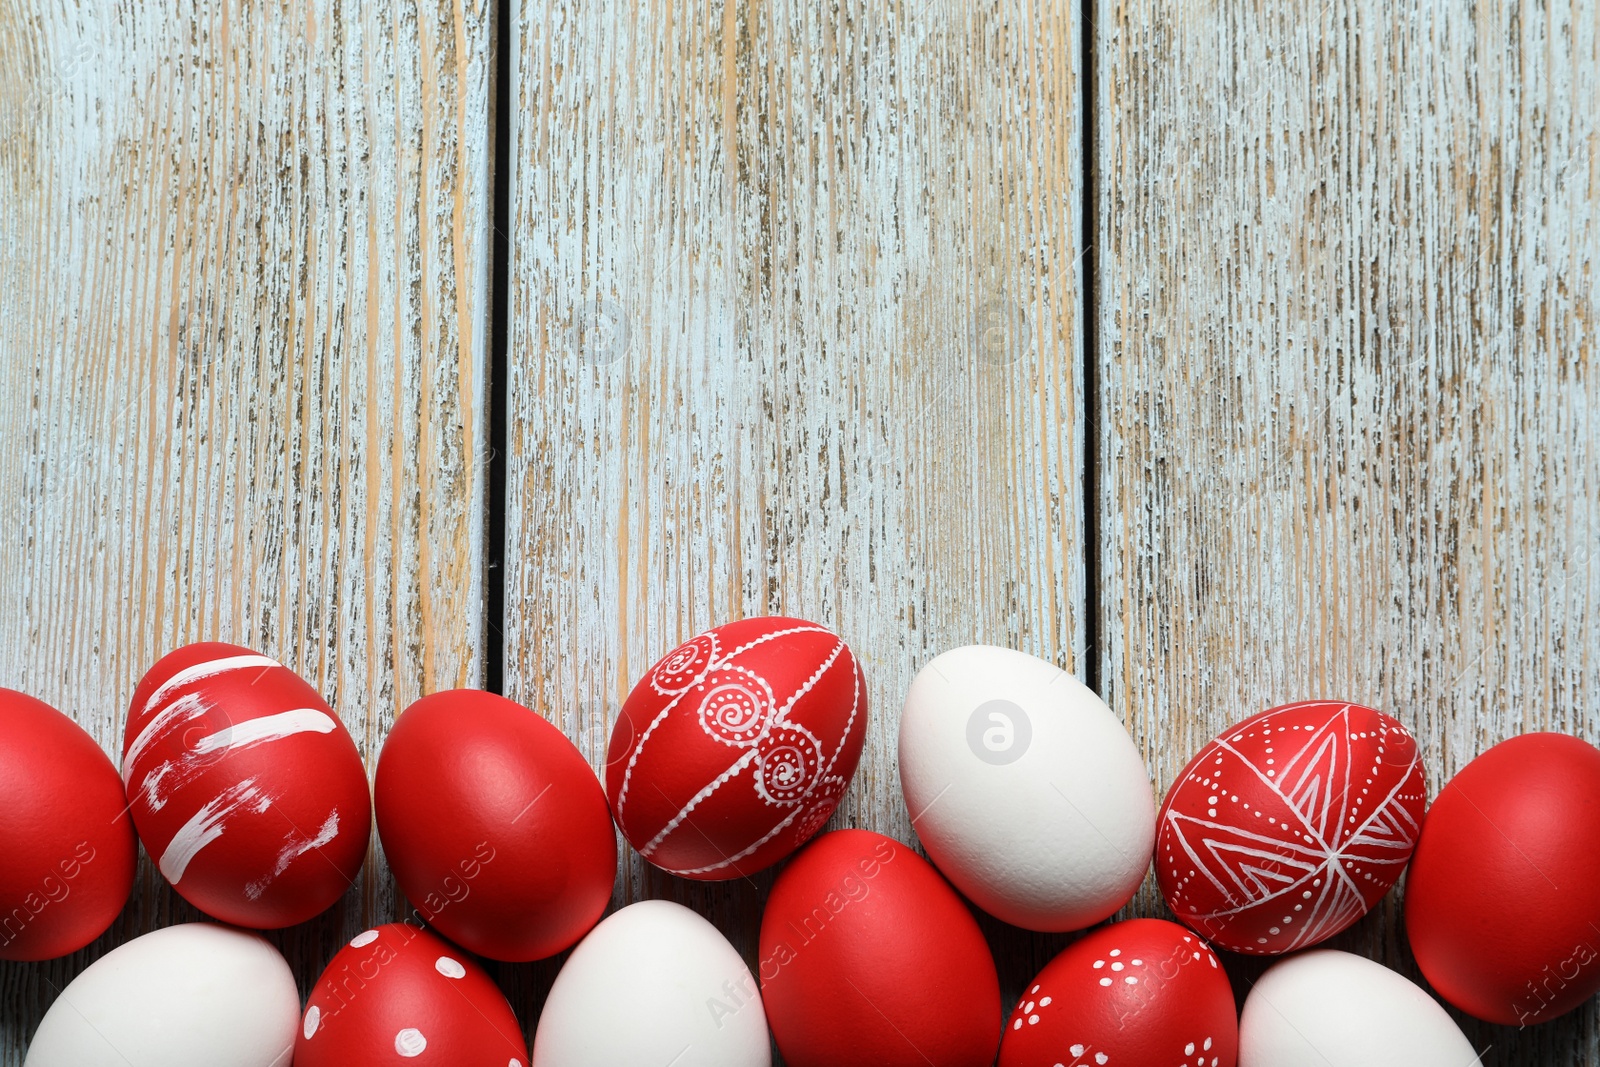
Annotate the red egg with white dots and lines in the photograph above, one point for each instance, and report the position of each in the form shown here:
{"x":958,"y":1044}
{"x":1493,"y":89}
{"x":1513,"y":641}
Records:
{"x":1133,"y":994}
{"x":245,"y":787}
{"x":400,"y":995}
{"x":1287,"y":828}
{"x":737,"y":746}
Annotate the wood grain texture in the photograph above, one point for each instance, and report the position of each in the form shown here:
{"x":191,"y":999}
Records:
{"x":243,"y":285}
{"x":794,"y":330}
{"x":1350,"y":396}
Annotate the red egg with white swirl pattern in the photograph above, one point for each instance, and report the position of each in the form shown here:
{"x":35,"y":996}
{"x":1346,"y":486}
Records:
{"x":737,"y":746}
{"x":245,"y":787}
{"x":1287,"y":828}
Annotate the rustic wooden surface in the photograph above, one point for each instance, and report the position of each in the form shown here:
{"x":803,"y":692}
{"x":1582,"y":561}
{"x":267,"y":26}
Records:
{"x":796,"y":324}
{"x":794,"y":330}
{"x":243,"y":282}
{"x":1350,"y":433}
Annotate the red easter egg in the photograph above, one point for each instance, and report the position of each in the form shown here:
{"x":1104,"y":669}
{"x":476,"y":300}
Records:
{"x":1287,"y":828}
{"x":401,"y":995}
{"x":245,"y":787}
{"x":1503,"y":899}
{"x":495,"y":825}
{"x":68,"y":845}
{"x":868,"y":956}
{"x":1135,"y":993}
{"x":737,"y":746}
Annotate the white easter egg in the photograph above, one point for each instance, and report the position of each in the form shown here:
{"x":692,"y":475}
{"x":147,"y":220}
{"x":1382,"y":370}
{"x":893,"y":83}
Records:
{"x":196,"y":995}
{"x":653,"y":984}
{"x":1334,"y":1009}
{"x":1027,"y":792}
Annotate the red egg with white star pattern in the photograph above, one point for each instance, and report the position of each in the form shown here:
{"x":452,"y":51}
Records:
{"x":737,"y":746}
{"x":400,"y":995}
{"x":1287,"y":828}
{"x":245,"y":787}
{"x":1139,"y":993}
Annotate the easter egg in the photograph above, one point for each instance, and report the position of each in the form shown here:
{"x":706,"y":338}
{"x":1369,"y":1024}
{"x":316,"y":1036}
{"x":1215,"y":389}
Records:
{"x":195,"y":995}
{"x":1144,"y":991}
{"x":736,"y":747}
{"x":1333,"y":1009}
{"x":653,"y":984}
{"x":868,"y":956}
{"x":1290,"y":826}
{"x":1502,"y":903}
{"x":1025,"y":789}
{"x":68,"y":844}
{"x":495,"y":825}
{"x":246,"y":789}
{"x":400,"y":995}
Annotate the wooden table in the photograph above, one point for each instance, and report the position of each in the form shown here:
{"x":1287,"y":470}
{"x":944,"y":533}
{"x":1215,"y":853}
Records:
{"x":1223,"y":354}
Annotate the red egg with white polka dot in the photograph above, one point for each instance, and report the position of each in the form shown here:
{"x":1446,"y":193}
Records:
{"x":1287,"y":828}
{"x":737,"y":746}
{"x":1140,"y":993}
{"x":400,"y":995}
{"x":245,"y":787}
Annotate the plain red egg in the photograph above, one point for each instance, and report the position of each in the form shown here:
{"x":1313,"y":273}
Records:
{"x":1144,"y":991}
{"x":245,"y":787}
{"x":495,"y":825}
{"x":1287,"y":828}
{"x":1503,"y":898}
{"x":868,"y":956}
{"x":68,"y":843}
{"x":737,"y":746}
{"x":400,"y":995}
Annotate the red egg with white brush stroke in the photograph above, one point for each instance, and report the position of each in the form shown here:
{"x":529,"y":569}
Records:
{"x":245,"y":787}
{"x":400,"y":995}
{"x":1287,"y":828}
{"x":737,"y":746}
{"x":1133,"y":994}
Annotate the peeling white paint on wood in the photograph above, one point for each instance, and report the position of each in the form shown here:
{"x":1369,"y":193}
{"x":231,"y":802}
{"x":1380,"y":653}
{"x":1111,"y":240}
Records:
{"x":795,"y":306}
{"x":243,"y":298}
{"x":1350,"y":403}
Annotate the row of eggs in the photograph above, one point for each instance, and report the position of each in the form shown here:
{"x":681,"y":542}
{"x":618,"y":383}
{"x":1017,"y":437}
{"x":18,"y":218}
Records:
{"x":1027,"y":794}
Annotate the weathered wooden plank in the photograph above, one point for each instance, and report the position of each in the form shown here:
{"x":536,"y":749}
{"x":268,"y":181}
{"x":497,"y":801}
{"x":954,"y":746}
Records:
{"x":1348,"y":383}
{"x":794,"y":330}
{"x":243,"y":284}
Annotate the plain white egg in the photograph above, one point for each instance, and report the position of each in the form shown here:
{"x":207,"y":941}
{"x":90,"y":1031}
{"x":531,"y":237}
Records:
{"x":1026,"y":791}
{"x":196,"y":995}
{"x":653,"y":984}
{"x":1335,"y":1009}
